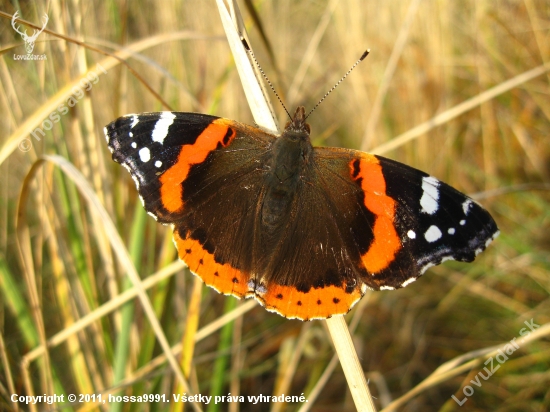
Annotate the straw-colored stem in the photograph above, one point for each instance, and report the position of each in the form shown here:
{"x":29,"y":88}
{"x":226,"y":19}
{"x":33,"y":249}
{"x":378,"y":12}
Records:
{"x":357,"y":383}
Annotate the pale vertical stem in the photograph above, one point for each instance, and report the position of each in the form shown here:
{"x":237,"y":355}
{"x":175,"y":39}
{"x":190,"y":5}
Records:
{"x":350,"y":364}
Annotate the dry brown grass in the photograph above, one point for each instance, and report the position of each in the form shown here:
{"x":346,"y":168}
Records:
{"x":64,"y":272}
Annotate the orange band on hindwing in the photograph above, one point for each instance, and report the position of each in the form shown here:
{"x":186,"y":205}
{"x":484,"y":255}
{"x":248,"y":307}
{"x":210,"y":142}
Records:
{"x":317,"y":303}
{"x":386,"y":243}
{"x":222,"y":277}
{"x":171,"y":190}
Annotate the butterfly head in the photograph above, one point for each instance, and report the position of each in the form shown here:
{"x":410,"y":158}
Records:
{"x":297,"y":125}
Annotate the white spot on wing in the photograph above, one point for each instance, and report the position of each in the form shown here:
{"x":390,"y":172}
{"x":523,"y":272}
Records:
{"x":426,"y":267}
{"x":488,"y":242}
{"x":411,"y":234}
{"x":451,"y":231}
{"x":466,"y":206}
{"x":134,"y":145}
{"x":106,"y":134}
{"x":145,"y":154}
{"x":387,"y":288}
{"x":127,"y":167}
{"x":408,"y":282}
{"x":134,"y":177}
{"x":135,"y":120}
{"x":158,"y":163}
{"x":430,"y":195}
{"x":161,"y":127}
{"x":432,"y":234}
{"x":462,"y":222}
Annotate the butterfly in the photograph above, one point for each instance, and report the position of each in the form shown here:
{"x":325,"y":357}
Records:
{"x":304,"y":230}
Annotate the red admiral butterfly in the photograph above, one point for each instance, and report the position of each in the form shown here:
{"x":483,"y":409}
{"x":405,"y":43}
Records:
{"x":304,"y":230}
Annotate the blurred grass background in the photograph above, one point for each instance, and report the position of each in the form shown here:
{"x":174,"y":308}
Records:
{"x":58,"y":268}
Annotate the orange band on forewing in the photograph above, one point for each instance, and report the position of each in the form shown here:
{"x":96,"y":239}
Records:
{"x":224,"y":278}
{"x":386,"y":241}
{"x":317,"y":303}
{"x":171,"y":190}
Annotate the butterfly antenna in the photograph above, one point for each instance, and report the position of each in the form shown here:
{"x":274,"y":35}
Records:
{"x":249,"y":50}
{"x":365,"y":54}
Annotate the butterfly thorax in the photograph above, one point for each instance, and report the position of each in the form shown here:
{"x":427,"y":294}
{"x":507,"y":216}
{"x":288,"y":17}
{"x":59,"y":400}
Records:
{"x":290,"y":156}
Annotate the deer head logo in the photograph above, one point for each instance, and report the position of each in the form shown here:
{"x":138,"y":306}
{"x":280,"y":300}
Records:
{"x":29,"y":40}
